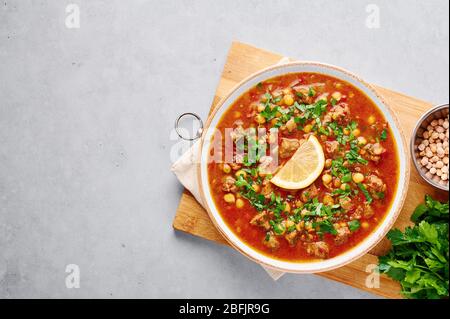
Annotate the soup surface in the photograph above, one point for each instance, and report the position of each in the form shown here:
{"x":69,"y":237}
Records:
{"x":342,"y":206}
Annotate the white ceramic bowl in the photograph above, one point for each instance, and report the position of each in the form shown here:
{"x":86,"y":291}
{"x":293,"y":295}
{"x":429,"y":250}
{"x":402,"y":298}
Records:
{"x":353,"y":253}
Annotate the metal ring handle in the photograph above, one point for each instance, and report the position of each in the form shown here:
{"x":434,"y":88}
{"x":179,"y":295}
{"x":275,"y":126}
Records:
{"x":177,"y":127}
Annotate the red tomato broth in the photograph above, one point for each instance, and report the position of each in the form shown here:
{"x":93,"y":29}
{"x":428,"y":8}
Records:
{"x":361,"y":107}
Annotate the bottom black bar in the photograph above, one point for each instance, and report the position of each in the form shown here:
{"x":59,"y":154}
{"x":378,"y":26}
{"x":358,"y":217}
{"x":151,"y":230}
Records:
{"x":224,"y":308}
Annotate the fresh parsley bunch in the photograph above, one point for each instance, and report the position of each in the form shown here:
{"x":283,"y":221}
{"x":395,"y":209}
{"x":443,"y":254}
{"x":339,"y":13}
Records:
{"x":419,"y":255}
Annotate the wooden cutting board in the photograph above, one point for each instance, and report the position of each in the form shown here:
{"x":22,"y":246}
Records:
{"x":244,"y":60}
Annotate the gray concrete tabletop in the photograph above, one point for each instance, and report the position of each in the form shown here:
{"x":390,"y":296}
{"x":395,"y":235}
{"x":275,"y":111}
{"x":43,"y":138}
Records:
{"x":89,"y":91}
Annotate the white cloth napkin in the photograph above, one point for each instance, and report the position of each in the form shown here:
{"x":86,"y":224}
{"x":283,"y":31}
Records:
{"x":185,"y":169}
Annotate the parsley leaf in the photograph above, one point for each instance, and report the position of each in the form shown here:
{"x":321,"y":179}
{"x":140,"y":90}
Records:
{"x":325,"y":226}
{"x":278,"y":228}
{"x":419,"y":255}
{"x":353,"y":225}
{"x":366,"y":193}
{"x":383,"y":135}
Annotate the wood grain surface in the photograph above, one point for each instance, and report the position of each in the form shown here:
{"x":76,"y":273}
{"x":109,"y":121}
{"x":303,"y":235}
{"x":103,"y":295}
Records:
{"x":242,"y":61}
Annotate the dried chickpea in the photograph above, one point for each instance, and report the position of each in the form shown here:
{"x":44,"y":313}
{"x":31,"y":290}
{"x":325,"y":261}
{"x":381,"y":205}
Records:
{"x":424,"y":161}
{"x":239,"y":203}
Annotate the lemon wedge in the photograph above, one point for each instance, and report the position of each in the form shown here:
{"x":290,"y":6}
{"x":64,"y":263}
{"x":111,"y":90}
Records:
{"x":304,"y":167}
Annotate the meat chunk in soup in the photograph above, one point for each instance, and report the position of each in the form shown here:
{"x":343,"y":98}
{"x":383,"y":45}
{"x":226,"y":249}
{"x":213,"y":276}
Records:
{"x":365,"y":211}
{"x":267,"y":189}
{"x":346,"y":203}
{"x":375,"y":150}
{"x":331,"y":146}
{"x":228,"y":184}
{"x":375,"y":185}
{"x":271,"y":242}
{"x":262,"y":220}
{"x":288,"y":147}
{"x":267,"y":165}
{"x":291,"y":237}
{"x":339,"y":111}
{"x":309,"y":193}
{"x":318,"y":249}
{"x":291,"y":125}
{"x":342,"y":235}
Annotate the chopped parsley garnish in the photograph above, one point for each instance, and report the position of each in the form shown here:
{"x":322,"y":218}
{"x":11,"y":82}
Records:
{"x":338,"y":131}
{"x":348,"y":192}
{"x":366,"y":193}
{"x":346,"y":178}
{"x":316,"y":208}
{"x":275,"y":203}
{"x":353,"y":156}
{"x":325,"y":226}
{"x":380,"y":195}
{"x":277,"y":99}
{"x":353,"y":225}
{"x":312,"y":111}
{"x":270,"y":109}
{"x":278,"y":228}
{"x":269,"y":112}
{"x":252,"y":171}
{"x":324,"y":131}
{"x":383,"y":135}
{"x":338,"y":168}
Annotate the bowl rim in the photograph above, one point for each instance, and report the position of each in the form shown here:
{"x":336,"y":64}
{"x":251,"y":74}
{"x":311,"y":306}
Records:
{"x":419,"y":123}
{"x":403,"y":188}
